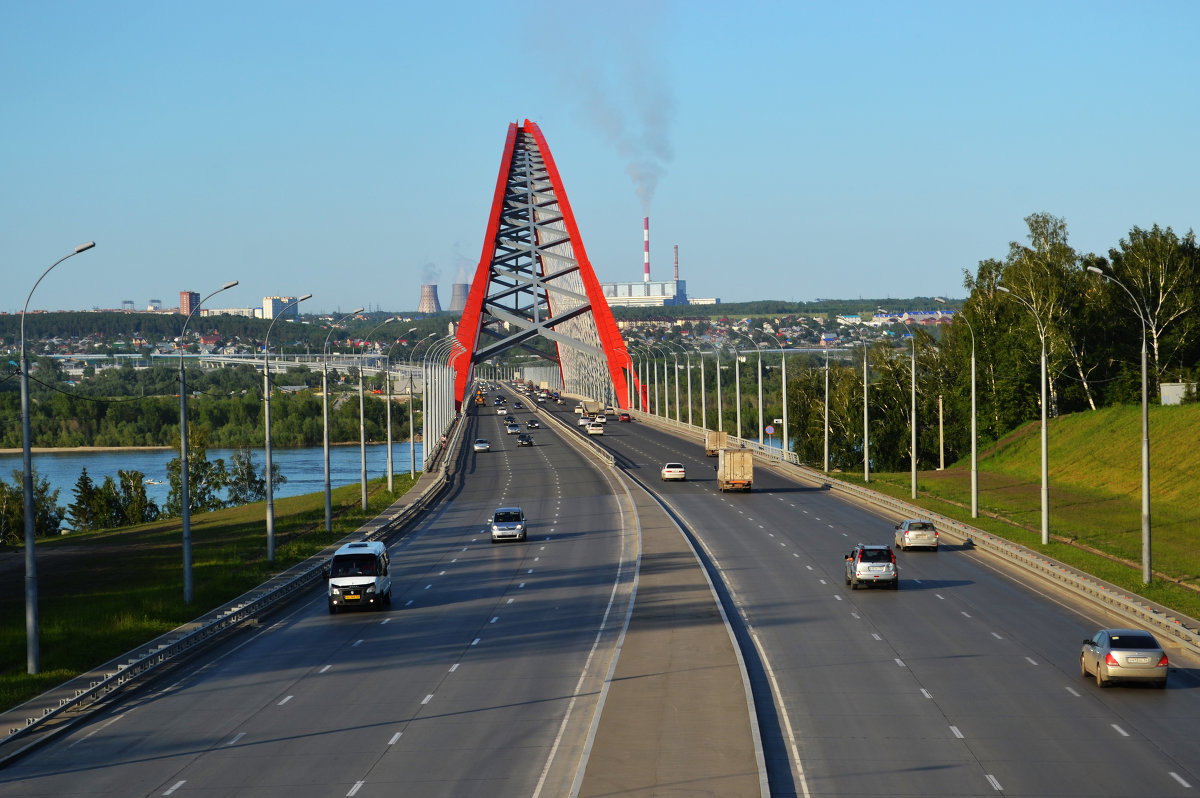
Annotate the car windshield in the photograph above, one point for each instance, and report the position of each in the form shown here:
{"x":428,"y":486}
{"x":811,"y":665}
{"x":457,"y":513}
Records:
{"x":1130,"y":641}
{"x":353,"y":565}
{"x":923,"y":526}
{"x":507,"y":517}
{"x":875,"y":555}
{"x":674,"y":465}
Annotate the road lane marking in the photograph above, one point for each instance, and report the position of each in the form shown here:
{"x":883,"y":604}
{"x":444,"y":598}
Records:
{"x":354,"y":790}
{"x":385,"y":620}
{"x":1073,"y":691}
{"x":175,"y":786}
{"x":236,"y":737}
{"x":357,"y":643}
{"x":926,"y":693}
{"x":1179,"y":779}
{"x":494,"y":619}
{"x":395,"y":738}
{"x":998,"y":637}
{"x":427,"y":699}
{"x":940,"y":596}
{"x":956,"y":732}
{"x":992,"y":781}
{"x":475,"y":642}
{"x":876,"y":635}
{"x":900,"y":662}
{"x":1120,"y":731}
{"x":454,"y":667}
{"x":327,"y":667}
{"x":964,"y":614}
{"x":1030,"y":660}
{"x":284,"y":701}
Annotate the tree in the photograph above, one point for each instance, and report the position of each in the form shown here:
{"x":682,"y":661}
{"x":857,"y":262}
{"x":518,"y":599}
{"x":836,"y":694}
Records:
{"x":205,"y":480}
{"x":1161,"y":271}
{"x":136,"y":507}
{"x":246,"y":482}
{"x":47,"y":515}
{"x":81,"y":513}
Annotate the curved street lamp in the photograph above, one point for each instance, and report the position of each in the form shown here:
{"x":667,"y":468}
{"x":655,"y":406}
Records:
{"x":1147,"y":574}
{"x":412,"y":430}
{"x":325,"y":415}
{"x":388,"y":372}
{"x":362,"y":417}
{"x":912,"y":450}
{"x":267,"y":425}
{"x":761,"y":422}
{"x":185,"y":498}
{"x":974,"y":435}
{"x":1045,"y":480}
{"x":32,"y":656}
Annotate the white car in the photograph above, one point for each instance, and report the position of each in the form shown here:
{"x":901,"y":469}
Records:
{"x":913,"y":532}
{"x":674,"y":471}
{"x":601,"y":419}
{"x":482,"y":445}
{"x":595,"y":429}
{"x":513,"y":428}
{"x":501,"y":410}
{"x":584,"y":421}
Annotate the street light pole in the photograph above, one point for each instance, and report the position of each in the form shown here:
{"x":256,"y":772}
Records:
{"x":267,"y":425}
{"x":388,"y":367}
{"x":325,"y":414}
{"x":1147,"y":573}
{"x":362,"y":418}
{"x":1045,"y":476}
{"x":912,"y":450}
{"x":826,"y":411}
{"x":185,"y":498}
{"x":32,"y":655}
{"x":866,"y":417}
{"x":974,"y":434}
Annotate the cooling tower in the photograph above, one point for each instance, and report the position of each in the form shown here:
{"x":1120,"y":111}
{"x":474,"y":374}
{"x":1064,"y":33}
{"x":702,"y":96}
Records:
{"x":429,"y":301}
{"x":458,"y":297}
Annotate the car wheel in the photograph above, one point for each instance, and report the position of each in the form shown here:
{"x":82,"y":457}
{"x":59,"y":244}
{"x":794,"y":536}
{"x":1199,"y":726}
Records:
{"x":854,"y":584}
{"x":1083,"y":671}
{"x":847,"y":580}
{"x":1100,"y":680}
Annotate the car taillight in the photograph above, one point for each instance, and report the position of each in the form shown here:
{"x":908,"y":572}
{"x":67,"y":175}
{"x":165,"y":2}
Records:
{"x":892,"y":554}
{"x":1162,"y":663}
{"x":935,"y":533}
{"x":1109,"y":659}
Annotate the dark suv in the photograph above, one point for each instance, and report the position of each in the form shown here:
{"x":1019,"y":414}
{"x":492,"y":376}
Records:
{"x":872,"y":565}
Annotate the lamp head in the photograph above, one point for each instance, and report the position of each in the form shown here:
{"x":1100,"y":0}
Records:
{"x":84,"y":247}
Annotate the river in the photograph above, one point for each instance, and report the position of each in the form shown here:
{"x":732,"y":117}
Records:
{"x":304,"y":468}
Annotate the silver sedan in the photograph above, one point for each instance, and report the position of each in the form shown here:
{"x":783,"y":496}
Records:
{"x":1123,"y":655}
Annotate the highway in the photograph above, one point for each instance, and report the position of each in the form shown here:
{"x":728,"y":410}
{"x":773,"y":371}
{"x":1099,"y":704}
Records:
{"x":479,"y":680}
{"x":964,"y":682}
{"x":482,"y":676}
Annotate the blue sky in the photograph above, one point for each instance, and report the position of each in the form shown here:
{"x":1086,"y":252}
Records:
{"x":791,"y":150}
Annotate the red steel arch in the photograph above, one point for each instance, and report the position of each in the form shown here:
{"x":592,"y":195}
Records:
{"x":534,"y":279}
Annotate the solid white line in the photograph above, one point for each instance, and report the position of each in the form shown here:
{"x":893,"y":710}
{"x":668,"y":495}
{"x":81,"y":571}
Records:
{"x":236,"y":737}
{"x":175,"y":786}
{"x":395,"y":738}
{"x":1120,"y":731}
{"x":1179,"y":779}
{"x":957,"y":733}
{"x":284,"y":701}
{"x":354,"y":790}
{"x":995,"y":784}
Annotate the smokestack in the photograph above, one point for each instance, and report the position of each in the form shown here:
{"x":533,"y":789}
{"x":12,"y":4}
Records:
{"x":429,"y":300}
{"x":458,"y":298}
{"x":676,"y":263}
{"x":646,"y":244}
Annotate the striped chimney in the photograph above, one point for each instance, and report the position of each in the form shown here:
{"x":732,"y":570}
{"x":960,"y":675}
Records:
{"x":676,"y":263}
{"x":646,"y":244}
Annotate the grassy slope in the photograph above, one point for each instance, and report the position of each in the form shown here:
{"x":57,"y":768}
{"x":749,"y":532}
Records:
{"x":1094,"y":467}
{"x":104,"y":593}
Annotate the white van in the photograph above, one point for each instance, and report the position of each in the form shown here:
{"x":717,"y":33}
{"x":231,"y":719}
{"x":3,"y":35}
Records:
{"x":359,"y":576}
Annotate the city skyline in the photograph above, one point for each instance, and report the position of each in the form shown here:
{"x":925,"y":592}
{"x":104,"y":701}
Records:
{"x":794,"y":151}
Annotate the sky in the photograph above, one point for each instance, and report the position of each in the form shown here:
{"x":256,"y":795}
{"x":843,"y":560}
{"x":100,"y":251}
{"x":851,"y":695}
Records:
{"x":791,"y":150}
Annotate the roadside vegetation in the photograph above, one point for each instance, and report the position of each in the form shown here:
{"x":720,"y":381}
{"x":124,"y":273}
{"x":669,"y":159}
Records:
{"x":104,"y":593}
{"x":1095,"y":511}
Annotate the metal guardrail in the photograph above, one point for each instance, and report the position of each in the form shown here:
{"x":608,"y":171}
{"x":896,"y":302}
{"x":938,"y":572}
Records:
{"x":1184,"y":629}
{"x":145,"y":660}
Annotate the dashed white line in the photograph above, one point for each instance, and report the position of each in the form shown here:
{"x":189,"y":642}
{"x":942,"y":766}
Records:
{"x":998,"y":637}
{"x":427,"y":699}
{"x":354,"y":790}
{"x":356,"y":644}
{"x":956,"y":732}
{"x":876,"y":635}
{"x":1030,"y":660}
{"x":395,"y":738}
{"x":428,"y":586}
{"x":521,"y":585}
{"x":1073,"y":691}
{"x":855,"y":616}
{"x":1179,"y":779}
{"x":494,"y":619}
{"x":384,"y":621}
{"x":175,"y":786}
{"x":822,"y":581}
{"x":837,"y":597}
{"x":926,"y":693}
{"x":809,"y":567}
{"x":236,"y":737}
{"x":407,"y":603}
{"x":510,"y":601}
{"x":900,"y":662}
{"x":965,"y":614}
{"x":940,"y":596}
{"x":1120,"y":731}
{"x":284,"y":701}
{"x":327,"y":667}
{"x":992,"y":781}
{"x":454,"y":667}
{"x":475,"y":642}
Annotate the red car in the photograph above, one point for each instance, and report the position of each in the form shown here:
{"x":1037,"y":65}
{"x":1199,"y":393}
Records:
{"x":624,"y":417}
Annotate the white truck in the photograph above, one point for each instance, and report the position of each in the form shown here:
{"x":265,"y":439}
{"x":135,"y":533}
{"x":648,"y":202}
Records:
{"x":735,"y":469}
{"x":715,"y":441}
{"x":591,"y":408}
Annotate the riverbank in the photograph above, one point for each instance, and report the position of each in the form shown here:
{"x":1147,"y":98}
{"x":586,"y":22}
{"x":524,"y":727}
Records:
{"x":72,"y":449}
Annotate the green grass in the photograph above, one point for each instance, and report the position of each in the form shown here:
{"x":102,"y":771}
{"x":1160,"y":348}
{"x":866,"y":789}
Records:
{"x":105,"y":593}
{"x":1095,"y":517}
